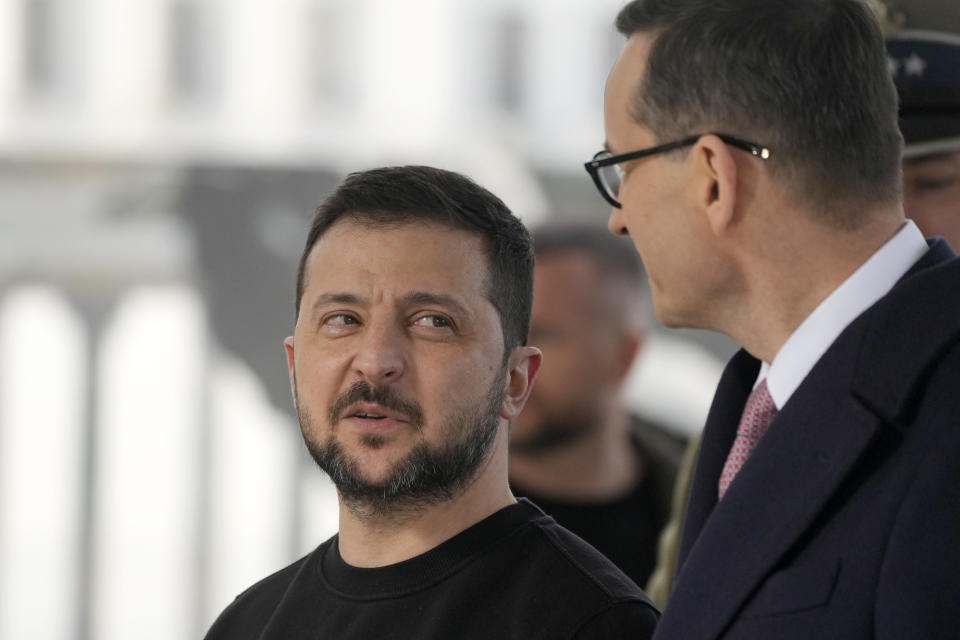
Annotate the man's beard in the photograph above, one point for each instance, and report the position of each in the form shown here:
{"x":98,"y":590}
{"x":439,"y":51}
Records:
{"x":552,"y":434}
{"x":428,"y":474}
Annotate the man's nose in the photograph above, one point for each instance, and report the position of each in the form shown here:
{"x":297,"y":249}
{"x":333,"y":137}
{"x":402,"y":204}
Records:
{"x":381,"y":356}
{"x":615,"y":223}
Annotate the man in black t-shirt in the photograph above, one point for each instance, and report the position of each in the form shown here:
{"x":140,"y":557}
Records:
{"x":407,"y":363}
{"x":575,"y":451}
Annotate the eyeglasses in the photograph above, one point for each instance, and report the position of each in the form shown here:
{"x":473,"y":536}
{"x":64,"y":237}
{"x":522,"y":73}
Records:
{"x":607,"y":174}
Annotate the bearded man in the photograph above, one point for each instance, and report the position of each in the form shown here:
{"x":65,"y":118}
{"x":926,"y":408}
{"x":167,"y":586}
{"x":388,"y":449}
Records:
{"x":407,"y":364}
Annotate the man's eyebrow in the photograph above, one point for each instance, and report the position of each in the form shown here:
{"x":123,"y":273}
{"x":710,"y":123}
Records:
{"x":335,"y":297}
{"x":413,"y":298}
{"x":438,"y":299}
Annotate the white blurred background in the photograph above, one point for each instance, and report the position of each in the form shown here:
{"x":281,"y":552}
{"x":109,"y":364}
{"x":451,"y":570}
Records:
{"x":159,"y":163}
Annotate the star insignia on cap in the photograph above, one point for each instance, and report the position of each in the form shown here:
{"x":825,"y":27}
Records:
{"x":914,"y":65}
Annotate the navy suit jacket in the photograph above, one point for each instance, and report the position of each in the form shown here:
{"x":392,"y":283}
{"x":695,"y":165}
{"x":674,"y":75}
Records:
{"x":845,"y":520}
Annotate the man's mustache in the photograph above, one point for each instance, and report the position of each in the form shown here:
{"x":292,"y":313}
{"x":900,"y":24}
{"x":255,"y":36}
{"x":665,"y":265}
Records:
{"x":384,"y":396}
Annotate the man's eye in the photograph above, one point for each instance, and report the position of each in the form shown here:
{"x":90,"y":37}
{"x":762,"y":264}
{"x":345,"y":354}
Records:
{"x":340,"y":320}
{"x":433,"y":320}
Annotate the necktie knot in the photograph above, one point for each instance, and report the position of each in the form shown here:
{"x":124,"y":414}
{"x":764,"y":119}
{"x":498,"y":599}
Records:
{"x":757,"y":415}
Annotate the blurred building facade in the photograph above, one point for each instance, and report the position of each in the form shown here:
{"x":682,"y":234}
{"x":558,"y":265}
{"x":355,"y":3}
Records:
{"x":159,"y":163}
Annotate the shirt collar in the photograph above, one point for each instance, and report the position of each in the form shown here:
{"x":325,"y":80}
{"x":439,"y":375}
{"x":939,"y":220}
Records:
{"x":870,"y":282}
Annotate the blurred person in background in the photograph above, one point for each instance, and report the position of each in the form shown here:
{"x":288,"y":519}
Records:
{"x":575,"y":450}
{"x":824,"y":501}
{"x":923,"y":48}
{"x":407,"y":364}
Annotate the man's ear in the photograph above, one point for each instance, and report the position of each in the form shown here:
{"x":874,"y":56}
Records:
{"x":288,"y":347}
{"x":715,"y":185}
{"x":523,"y":365}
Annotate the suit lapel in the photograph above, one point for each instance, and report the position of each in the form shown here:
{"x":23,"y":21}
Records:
{"x":799,"y":464}
{"x":718,"y":436}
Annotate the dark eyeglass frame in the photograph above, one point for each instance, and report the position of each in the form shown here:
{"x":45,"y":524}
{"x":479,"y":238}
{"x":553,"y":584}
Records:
{"x":603,"y":158}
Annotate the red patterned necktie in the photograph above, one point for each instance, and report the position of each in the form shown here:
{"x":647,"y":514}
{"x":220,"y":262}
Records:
{"x":757,"y":415}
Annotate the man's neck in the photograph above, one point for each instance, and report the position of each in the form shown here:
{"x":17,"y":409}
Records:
{"x":796,"y":277}
{"x":380,"y":541}
{"x":600,"y":466}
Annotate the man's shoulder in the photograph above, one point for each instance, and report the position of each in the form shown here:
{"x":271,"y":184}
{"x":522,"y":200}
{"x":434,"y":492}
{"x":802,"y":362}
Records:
{"x":250,"y":611}
{"x":906,"y":336}
{"x":573,"y":561}
{"x":932,"y":279}
{"x":587,"y":594}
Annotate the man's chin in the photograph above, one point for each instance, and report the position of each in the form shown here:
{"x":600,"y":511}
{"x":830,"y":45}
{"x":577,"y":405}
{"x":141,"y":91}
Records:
{"x":377,"y":483}
{"x":370,"y":463}
{"x":373,"y":442}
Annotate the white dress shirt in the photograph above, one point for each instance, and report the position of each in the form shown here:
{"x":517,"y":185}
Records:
{"x":816,"y":333}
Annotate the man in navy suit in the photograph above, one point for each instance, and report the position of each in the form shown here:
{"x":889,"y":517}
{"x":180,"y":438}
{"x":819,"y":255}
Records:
{"x":753,"y":156}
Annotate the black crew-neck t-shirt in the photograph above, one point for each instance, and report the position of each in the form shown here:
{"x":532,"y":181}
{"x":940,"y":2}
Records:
{"x":516,"y":574}
{"x":625,"y":529}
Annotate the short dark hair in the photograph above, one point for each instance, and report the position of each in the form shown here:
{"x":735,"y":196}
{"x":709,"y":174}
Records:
{"x":615,"y":255}
{"x":390,"y":196}
{"x":808,"y":78}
